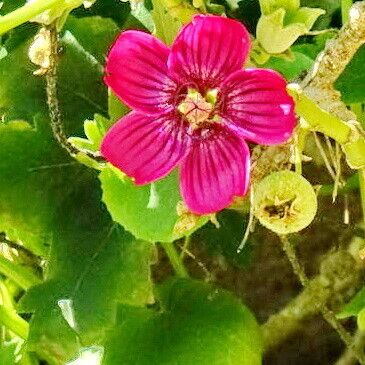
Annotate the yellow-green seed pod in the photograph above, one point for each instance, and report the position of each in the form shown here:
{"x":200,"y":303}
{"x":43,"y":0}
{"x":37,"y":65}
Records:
{"x":284,"y":202}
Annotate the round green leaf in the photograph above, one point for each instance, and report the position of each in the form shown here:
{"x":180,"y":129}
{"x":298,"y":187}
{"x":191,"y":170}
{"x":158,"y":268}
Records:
{"x":198,"y":324}
{"x":149,"y":211}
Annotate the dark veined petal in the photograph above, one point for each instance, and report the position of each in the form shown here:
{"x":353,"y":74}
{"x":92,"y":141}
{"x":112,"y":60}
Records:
{"x":146,"y":147}
{"x":136,"y":70}
{"x":215,"y":171}
{"x":207,"y":50}
{"x":255,"y":101}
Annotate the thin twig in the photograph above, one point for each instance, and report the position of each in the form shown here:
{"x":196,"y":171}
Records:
{"x":328,"y":315}
{"x":175,"y":259}
{"x":187,"y":252}
{"x":185,"y":246}
{"x":331,"y":152}
{"x":339,"y":181}
{"x":53,"y":104}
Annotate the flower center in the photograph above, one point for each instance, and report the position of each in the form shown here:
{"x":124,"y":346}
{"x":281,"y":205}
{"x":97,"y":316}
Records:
{"x":197,"y":109}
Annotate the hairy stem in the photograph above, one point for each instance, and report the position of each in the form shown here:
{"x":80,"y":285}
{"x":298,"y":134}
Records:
{"x":338,"y":279}
{"x":175,"y":259}
{"x":320,"y":104}
{"x":338,"y":52}
{"x":317,"y":118}
{"x":53,"y":104}
{"x":348,"y":357}
{"x":327,"y":314}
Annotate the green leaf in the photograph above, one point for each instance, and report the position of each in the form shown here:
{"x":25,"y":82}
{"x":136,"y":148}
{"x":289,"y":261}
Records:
{"x":351,"y":81}
{"x":7,"y":353}
{"x":81,"y":90}
{"x":20,"y":100}
{"x":290,"y":69}
{"x":48,"y":201}
{"x":306,"y":16}
{"x":225,"y":240}
{"x":149,"y":211}
{"x":354,"y":307}
{"x":81,"y":93}
{"x":331,"y":8}
{"x":10,"y":5}
{"x":316,"y":45}
{"x":116,"y":10}
{"x":198,"y":324}
{"x":166,"y":27}
{"x":273,"y":36}
{"x":116,"y":108}
{"x":93,"y":263}
{"x":93,"y":136}
{"x":282,"y":23}
{"x":95,"y":34}
{"x":166,"y":11}
{"x":270,"y":6}
{"x":28,"y":173}
{"x":141,"y":13}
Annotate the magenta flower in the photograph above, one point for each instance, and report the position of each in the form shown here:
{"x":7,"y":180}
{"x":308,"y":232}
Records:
{"x":194,"y":106}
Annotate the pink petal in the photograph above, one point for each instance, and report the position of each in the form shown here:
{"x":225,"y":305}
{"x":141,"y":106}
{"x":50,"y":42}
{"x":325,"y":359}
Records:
{"x":146,"y":147}
{"x":136,"y":71}
{"x":215,"y":171}
{"x":208,"y":49}
{"x":257,"y":105}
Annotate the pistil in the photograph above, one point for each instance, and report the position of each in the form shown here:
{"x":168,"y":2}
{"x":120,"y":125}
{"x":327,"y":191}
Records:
{"x":198,"y":109}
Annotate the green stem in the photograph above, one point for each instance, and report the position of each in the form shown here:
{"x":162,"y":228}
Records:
{"x":335,"y":266}
{"x":25,"y":13}
{"x":350,"y":138}
{"x":10,"y":319}
{"x":175,"y":260}
{"x":20,"y":275}
{"x":54,"y":106}
{"x":317,"y":118}
{"x":327,"y":314}
{"x":345,"y":9}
